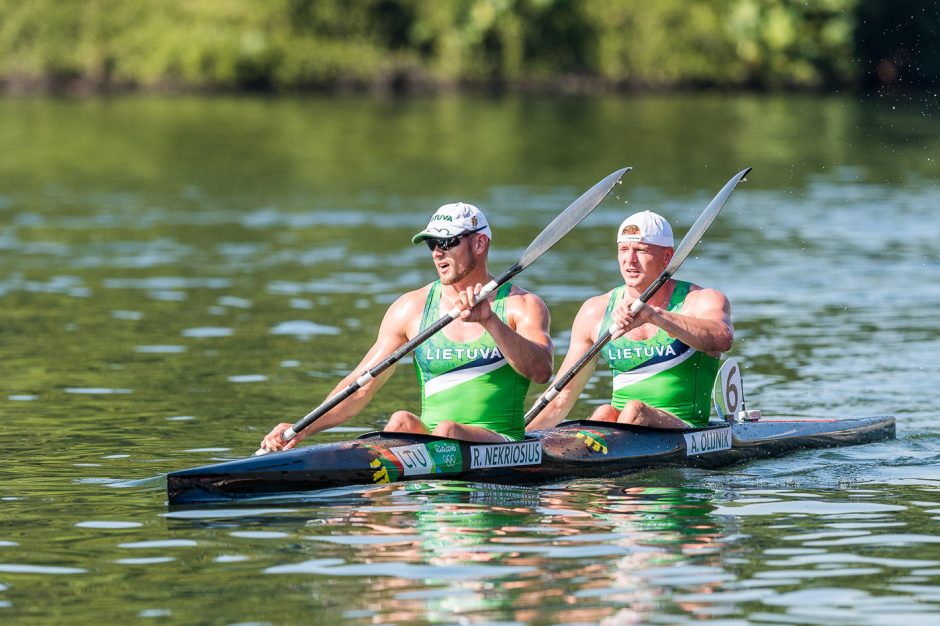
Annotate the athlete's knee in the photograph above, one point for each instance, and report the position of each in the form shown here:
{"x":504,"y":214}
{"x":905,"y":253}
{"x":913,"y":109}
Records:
{"x":447,"y":429}
{"x":632,"y":412}
{"x":401,"y":421}
{"x":605,"y":413}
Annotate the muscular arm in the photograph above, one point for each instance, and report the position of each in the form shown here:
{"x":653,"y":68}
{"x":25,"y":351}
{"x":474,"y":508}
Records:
{"x":525,"y":342}
{"x":703,"y":324}
{"x":393,"y":333}
{"x":527,"y":347}
{"x":583,"y":336}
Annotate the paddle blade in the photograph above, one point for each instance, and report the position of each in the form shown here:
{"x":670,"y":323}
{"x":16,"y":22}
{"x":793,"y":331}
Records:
{"x":703,"y":222}
{"x":569,"y":218}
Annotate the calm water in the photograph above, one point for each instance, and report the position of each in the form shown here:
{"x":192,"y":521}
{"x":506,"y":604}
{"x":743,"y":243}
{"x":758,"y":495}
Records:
{"x":177,"y":275}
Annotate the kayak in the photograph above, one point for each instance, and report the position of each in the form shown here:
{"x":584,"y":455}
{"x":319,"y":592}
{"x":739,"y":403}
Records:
{"x":575,"y":449}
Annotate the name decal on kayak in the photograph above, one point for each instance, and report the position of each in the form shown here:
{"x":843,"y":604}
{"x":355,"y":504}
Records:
{"x":506,"y":454}
{"x":436,"y":457}
{"x":706,"y":441}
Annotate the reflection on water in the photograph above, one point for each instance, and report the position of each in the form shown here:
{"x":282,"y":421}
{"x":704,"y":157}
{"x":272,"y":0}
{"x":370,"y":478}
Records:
{"x":177,"y":275}
{"x":604,"y":552}
{"x":488,"y":551}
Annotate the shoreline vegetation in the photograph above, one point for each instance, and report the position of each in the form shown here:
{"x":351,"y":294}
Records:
{"x":426,"y":46}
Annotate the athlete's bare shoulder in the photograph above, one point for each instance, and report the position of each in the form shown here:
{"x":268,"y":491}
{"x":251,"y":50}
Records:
{"x":595,"y":306}
{"x":404,"y":315}
{"x":522,"y":301}
{"x":525,"y":294}
{"x":411,"y":299}
{"x":587,"y":322}
{"x":703,"y":298}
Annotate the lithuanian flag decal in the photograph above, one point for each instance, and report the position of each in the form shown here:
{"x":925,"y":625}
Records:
{"x":593,"y":440}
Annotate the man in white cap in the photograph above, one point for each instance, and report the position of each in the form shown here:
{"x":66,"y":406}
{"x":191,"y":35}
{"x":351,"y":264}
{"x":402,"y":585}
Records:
{"x":474,"y":374}
{"x":664,"y":358}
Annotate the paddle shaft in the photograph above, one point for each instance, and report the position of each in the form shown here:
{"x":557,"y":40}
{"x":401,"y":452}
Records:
{"x":681,"y":254}
{"x":550,"y":235}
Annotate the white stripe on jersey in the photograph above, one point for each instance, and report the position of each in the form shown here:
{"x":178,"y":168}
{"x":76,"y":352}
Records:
{"x":447,"y":380}
{"x":642,"y":373}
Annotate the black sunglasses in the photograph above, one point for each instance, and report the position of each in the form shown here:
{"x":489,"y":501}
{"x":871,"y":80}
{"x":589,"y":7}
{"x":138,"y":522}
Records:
{"x":447,"y":243}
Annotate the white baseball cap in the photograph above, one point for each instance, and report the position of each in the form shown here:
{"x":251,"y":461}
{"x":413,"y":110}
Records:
{"x":455,"y":219}
{"x":646,"y":227}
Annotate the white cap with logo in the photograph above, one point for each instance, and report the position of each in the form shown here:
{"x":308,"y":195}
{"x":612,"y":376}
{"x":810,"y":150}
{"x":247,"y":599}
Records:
{"x":646,"y":227}
{"x":455,"y":219}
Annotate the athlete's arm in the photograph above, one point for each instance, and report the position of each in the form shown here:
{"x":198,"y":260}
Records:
{"x":525,"y":343}
{"x":583,"y":335}
{"x":393,"y":333}
{"x":704,"y":323}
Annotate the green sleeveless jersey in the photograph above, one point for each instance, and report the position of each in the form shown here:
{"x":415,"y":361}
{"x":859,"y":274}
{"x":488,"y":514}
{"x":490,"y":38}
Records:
{"x":661,"y":371}
{"x":469,"y":383}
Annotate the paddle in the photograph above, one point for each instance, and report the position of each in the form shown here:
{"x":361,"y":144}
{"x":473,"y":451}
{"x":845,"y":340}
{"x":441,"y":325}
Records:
{"x":560,"y":226}
{"x":681,"y":253}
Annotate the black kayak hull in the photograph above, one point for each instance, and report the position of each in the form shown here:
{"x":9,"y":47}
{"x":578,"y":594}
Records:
{"x":577,"y":449}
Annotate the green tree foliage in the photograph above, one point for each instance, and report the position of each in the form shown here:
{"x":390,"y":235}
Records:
{"x":387,"y":44}
{"x":788,"y":43}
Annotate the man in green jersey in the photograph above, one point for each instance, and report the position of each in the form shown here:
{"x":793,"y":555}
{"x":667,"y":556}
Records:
{"x":474,"y":373}
{"x":664,"y":358}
